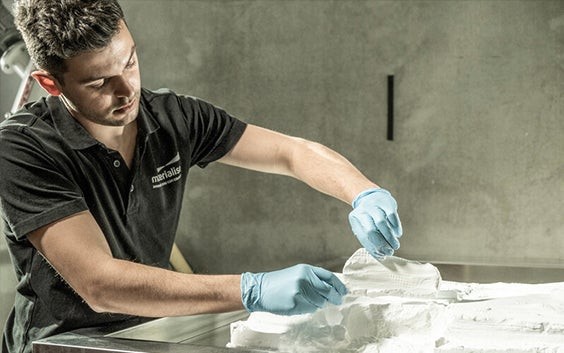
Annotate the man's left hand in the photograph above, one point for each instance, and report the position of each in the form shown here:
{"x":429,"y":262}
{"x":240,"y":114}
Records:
{"x":375,"y":222}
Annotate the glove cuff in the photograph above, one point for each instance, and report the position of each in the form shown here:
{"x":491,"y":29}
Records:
{"x":250,"y":290}
{"x":358,"y":197}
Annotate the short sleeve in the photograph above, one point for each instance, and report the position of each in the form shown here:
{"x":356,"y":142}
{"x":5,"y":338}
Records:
{"x":213,"y":132}
{"x":35,"y":189}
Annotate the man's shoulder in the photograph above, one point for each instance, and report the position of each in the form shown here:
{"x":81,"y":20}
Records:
{"x":31,"y":126}
{"x":18,"y":121}
{"x":168,"y":99}
{"x":158,"y":96}
{"x":168,"y":107}
{"x":28,"y":116}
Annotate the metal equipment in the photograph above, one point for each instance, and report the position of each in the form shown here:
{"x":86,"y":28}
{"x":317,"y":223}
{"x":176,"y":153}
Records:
{"x":14,"y":58}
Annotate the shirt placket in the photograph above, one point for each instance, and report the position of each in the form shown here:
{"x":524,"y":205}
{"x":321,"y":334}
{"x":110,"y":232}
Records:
{"x":133,"y":202}
{"x":122,"y":176}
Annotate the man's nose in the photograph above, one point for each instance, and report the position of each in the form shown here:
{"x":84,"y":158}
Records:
{"x":123,"y":88}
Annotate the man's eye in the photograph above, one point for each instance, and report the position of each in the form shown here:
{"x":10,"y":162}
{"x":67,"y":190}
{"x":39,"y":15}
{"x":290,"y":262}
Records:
{"x":98,"y":84}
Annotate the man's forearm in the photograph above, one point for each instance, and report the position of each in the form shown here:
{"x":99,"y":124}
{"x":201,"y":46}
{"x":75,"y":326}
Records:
{"x":327,"y":171}
{"x":77,"y":249}
{"x":316,"y":165}
{"x":130,"y":288}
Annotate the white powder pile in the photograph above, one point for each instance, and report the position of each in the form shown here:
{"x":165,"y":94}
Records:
{"x":396,"y":305}
{"x":390,"y":303}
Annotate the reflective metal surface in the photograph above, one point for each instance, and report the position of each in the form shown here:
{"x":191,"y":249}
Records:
{"x":491,"y":274}
{"x":210,"y":329}
{"x":89,"y":341}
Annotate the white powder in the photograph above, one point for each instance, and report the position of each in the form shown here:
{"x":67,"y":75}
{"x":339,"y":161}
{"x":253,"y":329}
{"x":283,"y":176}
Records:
{"x":390,"y":303}
{"x":396,"y":305}
{"x":505,"y":317}
{"x":350,"y":327}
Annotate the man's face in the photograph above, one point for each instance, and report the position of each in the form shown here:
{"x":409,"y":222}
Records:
{"x":103,"y":86}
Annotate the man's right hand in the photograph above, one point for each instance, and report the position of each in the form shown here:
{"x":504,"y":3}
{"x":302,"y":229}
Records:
{"x":295,"y":290}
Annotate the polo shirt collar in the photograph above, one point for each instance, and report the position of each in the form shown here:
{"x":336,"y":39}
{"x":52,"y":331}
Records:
{"x":74,"y":133}
{"x":146,"y":122}
{"x":77,"y":136}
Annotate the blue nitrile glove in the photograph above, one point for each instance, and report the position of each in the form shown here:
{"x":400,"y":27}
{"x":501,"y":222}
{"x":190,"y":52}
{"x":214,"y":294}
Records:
{"x":375,"y":222}
{"x":295,"y":290}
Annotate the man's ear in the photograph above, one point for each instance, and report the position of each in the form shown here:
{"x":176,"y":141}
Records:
{"x":47,"y":81}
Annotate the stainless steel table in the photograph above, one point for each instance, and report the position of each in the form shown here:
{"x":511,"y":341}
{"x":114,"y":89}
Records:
{"x":210,"y":333}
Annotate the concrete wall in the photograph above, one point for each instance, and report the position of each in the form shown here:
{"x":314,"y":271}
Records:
{"x":477,"y":163}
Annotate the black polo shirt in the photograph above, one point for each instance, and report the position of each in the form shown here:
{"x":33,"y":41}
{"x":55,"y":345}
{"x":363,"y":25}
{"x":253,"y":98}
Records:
{"x":50,"y":168}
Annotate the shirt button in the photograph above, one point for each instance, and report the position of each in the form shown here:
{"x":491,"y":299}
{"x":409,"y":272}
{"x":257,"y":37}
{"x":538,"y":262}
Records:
{"x":116,"y":163}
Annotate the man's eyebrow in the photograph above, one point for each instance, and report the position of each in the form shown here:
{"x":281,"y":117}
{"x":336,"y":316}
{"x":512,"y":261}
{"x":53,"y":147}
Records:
{"x":96,"y":78}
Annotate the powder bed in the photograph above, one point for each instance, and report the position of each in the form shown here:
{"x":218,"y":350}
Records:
{"x":397,"y":305}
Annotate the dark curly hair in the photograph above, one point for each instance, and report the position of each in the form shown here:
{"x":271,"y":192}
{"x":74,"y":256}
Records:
{"x":55,"y":30}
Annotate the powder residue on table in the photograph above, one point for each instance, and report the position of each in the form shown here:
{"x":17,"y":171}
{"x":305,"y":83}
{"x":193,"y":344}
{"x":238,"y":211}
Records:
{"x":397,"y":305}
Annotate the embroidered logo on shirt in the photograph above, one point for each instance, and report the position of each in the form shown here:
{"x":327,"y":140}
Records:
{"x":167,"y":173}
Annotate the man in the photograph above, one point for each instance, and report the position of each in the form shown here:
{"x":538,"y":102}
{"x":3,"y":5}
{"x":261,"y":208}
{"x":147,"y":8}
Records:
{"x":93,"y":177}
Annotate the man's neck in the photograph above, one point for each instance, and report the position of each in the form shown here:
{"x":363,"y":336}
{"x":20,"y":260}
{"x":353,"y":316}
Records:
{"x":118,"y":138}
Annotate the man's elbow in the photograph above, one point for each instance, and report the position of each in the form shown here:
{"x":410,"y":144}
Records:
{"x":307,"y":152}
{"x":97,"y":292}
{"x":95,"y":297}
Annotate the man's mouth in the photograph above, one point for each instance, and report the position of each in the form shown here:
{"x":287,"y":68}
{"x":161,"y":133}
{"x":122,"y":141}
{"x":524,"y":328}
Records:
{"x":125,"y":108}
